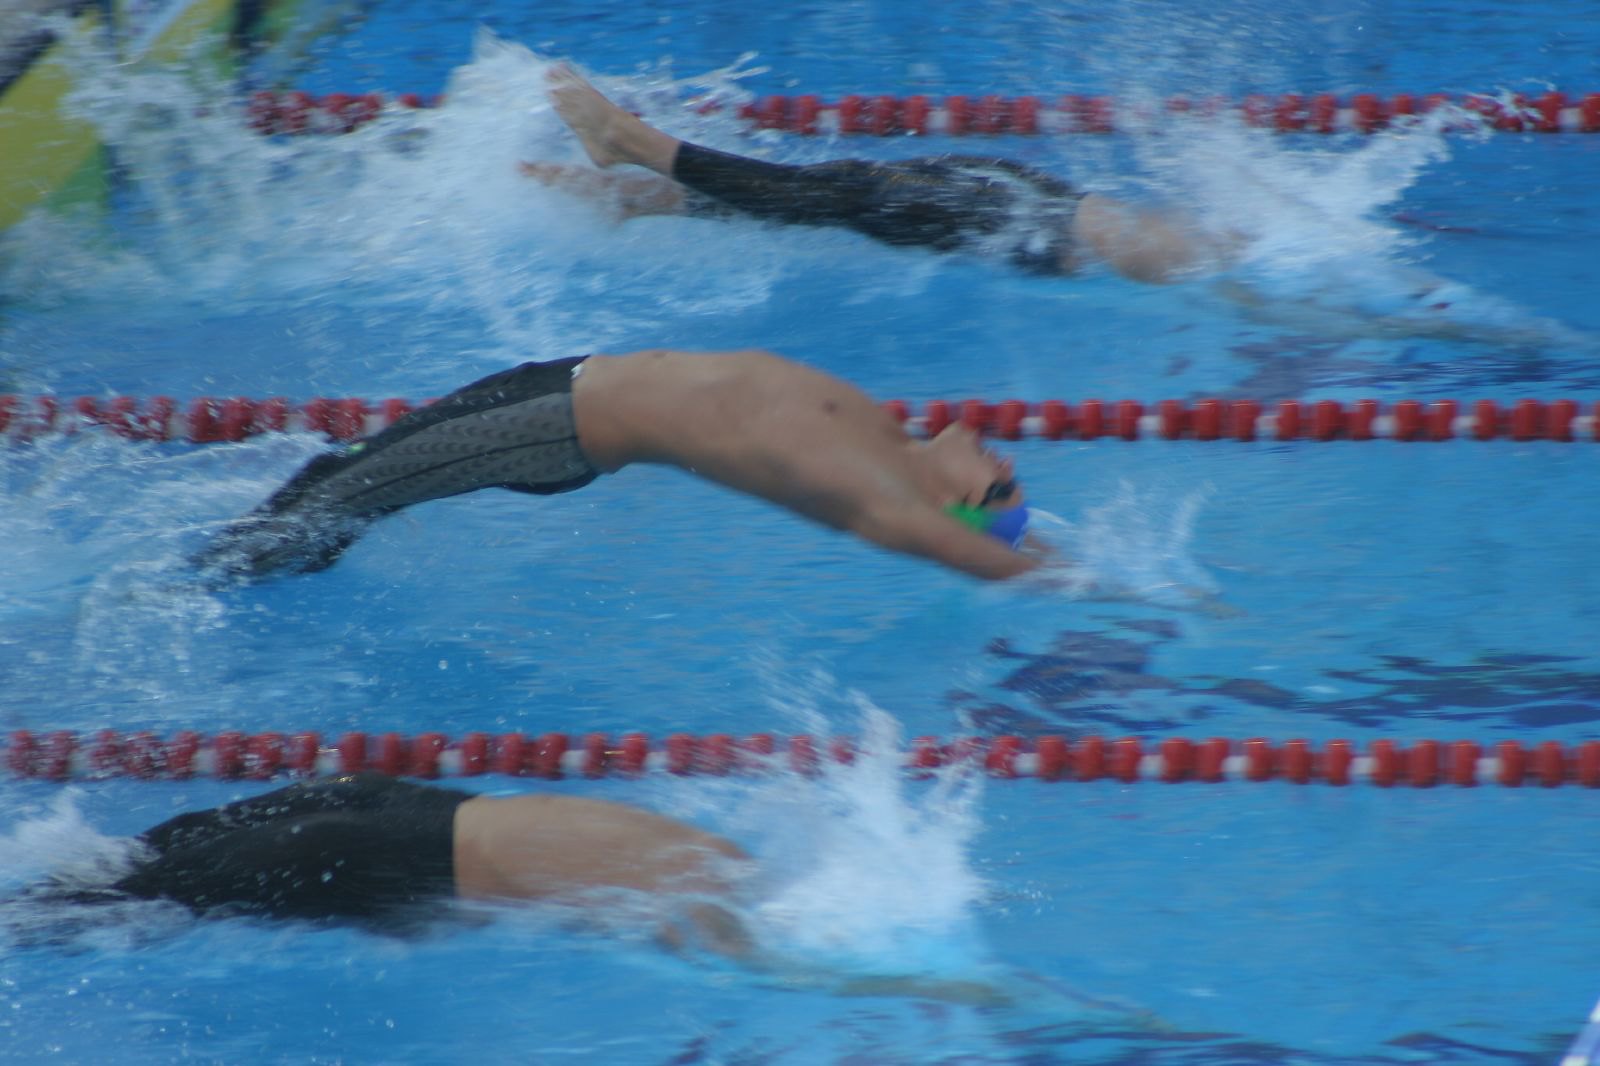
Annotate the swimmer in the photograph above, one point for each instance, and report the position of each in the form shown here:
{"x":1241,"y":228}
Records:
{"x":942,"y":202}
{"x":749,"y":420}
{"x":374,"y":850}
{"x":397,"y":857}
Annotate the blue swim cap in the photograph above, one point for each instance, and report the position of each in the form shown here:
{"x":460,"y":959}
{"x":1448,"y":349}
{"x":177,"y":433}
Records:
{"x":1010,"y":525}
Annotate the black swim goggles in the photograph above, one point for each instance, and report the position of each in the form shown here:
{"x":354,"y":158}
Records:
{"x":997,"y":491}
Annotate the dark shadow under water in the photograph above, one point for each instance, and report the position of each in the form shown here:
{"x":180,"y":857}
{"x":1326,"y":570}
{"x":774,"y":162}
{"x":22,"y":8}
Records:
{"x":1089,"y":682}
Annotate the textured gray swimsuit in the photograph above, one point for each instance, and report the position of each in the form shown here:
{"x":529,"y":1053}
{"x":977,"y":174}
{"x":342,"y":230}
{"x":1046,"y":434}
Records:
{"x":512,"y":430}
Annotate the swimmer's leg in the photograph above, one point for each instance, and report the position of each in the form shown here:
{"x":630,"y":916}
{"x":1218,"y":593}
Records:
{"x":612,"y":136}
{"x":513,"y":430}
{"x":182,"y":852}
{"x":894,"y":203}
{"x":609,"y":135}
{"x":279,"y":537}
{"x":347,"y":792}
{"x":918,"y":203}
{"x":821,"y":194}
{"x":342,"y":864}
{"x":352,"y":846}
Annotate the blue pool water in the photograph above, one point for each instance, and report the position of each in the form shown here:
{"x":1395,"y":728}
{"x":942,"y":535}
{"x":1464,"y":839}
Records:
{"x":1366,"y":591}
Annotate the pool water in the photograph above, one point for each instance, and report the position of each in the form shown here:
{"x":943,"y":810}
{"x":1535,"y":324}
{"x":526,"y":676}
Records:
{"x":1347,"y":590}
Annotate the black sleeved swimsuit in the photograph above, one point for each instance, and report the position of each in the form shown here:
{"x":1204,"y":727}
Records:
{"x":941,"y":202}
{"x":361,"y":846}
{"x":513,"y":430}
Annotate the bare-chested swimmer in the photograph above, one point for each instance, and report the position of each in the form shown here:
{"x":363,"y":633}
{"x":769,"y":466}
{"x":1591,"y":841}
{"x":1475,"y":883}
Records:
{"x":750,"y":420}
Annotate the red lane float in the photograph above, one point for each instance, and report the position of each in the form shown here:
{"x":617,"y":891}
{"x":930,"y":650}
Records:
{"x":290,"y":113}
{"x":62,"y":755}
{"x":212,"y":420}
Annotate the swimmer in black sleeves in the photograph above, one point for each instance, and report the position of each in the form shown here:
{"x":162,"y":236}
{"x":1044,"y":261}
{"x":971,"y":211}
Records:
{"x":750,"y":420}
{"x":1039,"y":222}
{"x":391,"y":855}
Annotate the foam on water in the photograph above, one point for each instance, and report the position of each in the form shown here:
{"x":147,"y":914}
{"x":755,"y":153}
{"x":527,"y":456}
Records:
{"x":59,"y":841}
{"x":421,"y":206}
{"x":873,"y":870}
{"x":1310,"y":242}
{"x":862,"y":870}
{"x":1134,"y":546}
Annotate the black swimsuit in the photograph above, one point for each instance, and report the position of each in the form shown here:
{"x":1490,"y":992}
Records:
{"x":511,"y":430}
{"x":941,"y":202}
{"x":362,"y":847}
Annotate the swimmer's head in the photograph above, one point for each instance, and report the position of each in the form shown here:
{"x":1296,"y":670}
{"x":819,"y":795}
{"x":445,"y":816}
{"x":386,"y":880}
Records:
{"x":1000,"y":513}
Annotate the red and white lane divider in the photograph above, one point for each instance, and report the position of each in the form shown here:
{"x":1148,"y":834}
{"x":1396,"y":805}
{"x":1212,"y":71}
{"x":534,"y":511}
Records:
{"x":884,"y":116}
{"x":210,"y":420}
{"x":297,"y":112}
{"x":63,"y":755}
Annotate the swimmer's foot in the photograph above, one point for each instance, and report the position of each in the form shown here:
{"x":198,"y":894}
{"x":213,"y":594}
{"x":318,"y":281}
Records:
{"x":576,"y":179}
{"x":261,"y":545}
{"x":609,"y":134}
{"x":623,"y":196}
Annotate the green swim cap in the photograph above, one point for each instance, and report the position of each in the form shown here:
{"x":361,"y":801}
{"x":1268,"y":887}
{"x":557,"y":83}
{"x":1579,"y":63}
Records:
{"x":974,"y":517}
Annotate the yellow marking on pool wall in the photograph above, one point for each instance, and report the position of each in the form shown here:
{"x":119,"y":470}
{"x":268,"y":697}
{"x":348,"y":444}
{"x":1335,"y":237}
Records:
{"x":49,"y":158}
{"x":190,"y":25}
{"x":40,"y":148}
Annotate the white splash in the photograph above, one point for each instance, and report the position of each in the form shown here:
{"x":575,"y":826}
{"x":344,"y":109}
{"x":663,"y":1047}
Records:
{"x":59,"y":843}
{"x":1135,"y":546}
{"x":1309,"y":242}
{"x":863,"y":870}
{"x":425,"y":205}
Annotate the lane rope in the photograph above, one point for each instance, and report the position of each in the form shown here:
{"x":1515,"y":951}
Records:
{"x":63,"y":755}
{"x":210,"y":420}
{"x":299,"y":112}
